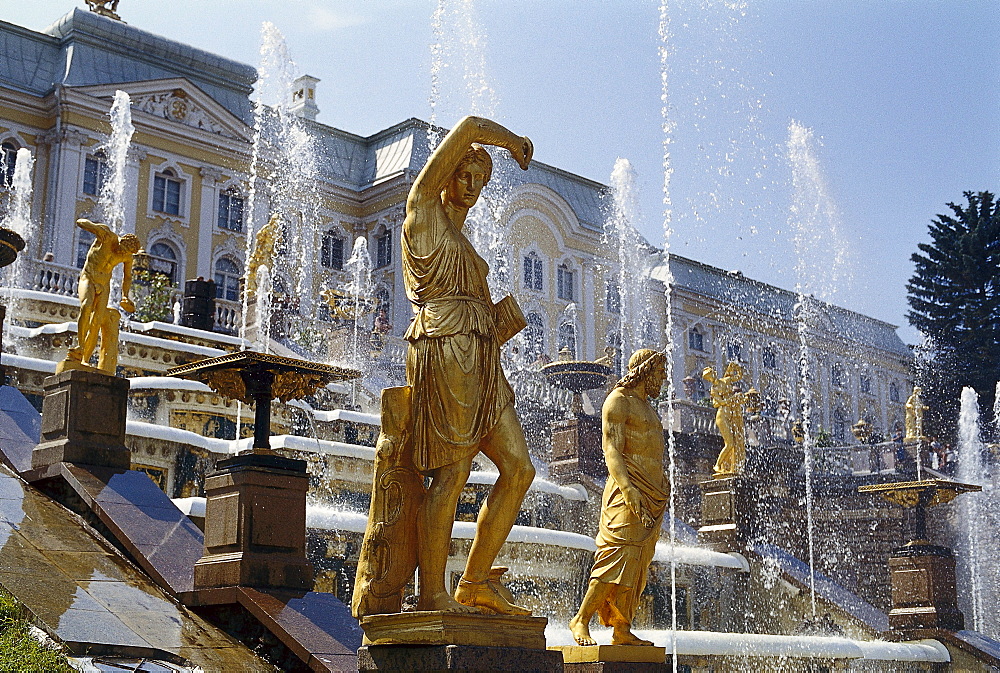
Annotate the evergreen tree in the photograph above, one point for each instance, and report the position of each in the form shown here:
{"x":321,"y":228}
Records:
{"x":954,"y":298}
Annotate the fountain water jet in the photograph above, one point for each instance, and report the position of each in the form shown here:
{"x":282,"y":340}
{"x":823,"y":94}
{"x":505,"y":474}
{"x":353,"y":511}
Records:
{"x":111,"y":200}
{"x":19,"y":221}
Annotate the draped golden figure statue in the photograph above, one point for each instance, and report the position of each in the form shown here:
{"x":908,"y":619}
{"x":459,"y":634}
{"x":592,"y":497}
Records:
{"x":914,"y":419}
{"x":98,"y":320}
{"x":457,"y":401}
{"x":729,"y":403}
{"x":634,"y":501}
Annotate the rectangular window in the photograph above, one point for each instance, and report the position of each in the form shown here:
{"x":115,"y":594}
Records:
{"x":768,"y":359}
{"x":95,"y":170}
{"x":613,"y":298}
{"x":564,"y":283}
{"x":83,"y":242}
{"x":166,"y":195}
{"x":538,"y":274}
{"x":332,"y":254}
{"x":696,"y":340}
{"x":231,"y":211}
{"x":734,"y":352}
{"x":383,"y":250}
{"x":865,"y":383}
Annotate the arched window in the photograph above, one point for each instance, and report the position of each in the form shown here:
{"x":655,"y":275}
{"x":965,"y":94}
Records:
{"x":163,"y":259}
{"x":383,"y":249}
{"x":8,"y":160}
{"x":696,"y":340}
{"x":768,"y":358}
{"x":865,"y":383}
{"x":567,"y":338}
{"x":167,"y":193}
{"x":613,"y":298}
{"x":332,"y":251}
{"x":837,"y":375}
{"x":564,"y":283}
{"x":532,"y":272}
{"x":893,"y":392}
{"x":734,"y":352}
{"x":227,"y":279}
{"x":534,"y":338}
{"x":95,"y":172}
{"x":839,"y":425}
{"x":231,"y":210}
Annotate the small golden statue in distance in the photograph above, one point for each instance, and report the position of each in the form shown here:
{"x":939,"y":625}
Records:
{"x":730,"y":403}
{"x":635,"y":498}
{"x":461,"y":402}
{"x":108,"y":8}
{"x":97,"y":319}
{"x":914,"y":419}
{"x":264,"y":242}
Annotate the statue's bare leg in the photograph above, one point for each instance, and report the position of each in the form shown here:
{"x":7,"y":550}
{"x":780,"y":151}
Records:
{"x":597,"y":593}
{"x":90,"y":320}
{"x":506,"y":447}
{"x":434,"y":524}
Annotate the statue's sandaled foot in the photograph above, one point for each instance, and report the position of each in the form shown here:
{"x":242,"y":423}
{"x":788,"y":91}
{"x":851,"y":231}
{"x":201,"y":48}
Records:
{"x":481,"y":595}
{"x":581,"y":631}
{"x":442,"y":601}
{"x":626,"y":637}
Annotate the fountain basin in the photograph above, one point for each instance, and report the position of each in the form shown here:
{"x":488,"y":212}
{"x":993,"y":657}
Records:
{"x":11,"y":243}
{"x":577,"y":375}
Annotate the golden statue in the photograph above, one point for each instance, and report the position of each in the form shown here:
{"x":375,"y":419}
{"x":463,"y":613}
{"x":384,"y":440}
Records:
{"x":915,"y":409}
{"x":635,"y":498}
{"x":97,"y":319}
{"x":729,"y":419}
{"x":460,"y":401}
{"x":264,"y":242}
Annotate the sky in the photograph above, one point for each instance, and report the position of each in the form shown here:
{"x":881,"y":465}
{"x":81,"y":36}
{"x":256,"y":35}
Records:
{"x":896,"y":103}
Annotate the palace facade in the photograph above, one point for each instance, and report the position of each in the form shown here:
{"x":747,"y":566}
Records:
{"x":188,"y":193}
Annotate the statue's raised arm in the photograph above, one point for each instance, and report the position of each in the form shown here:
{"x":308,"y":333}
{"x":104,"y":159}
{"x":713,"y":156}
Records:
{"x":441,"y":167}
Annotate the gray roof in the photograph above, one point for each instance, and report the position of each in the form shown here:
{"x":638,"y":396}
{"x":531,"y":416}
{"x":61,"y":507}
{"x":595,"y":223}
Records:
{"x":736,"y":289}
{"x":83,"y":48}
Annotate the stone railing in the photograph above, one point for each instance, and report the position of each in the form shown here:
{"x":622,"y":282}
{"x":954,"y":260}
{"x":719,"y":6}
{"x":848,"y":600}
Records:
{"x":55,"y":278}
{"x":227,"y":316}
{"x":855,"y":460}
{"x":691,"y":417}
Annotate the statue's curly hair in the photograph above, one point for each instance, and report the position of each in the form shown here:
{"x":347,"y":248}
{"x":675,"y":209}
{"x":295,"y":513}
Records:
{"x":476,"y":154}
{"x":639,"y":365}
{"x":129,"y":241}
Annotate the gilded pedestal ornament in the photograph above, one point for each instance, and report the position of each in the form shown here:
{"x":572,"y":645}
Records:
{"x":98,"y":321}
{"x":730,"y":403}
{"x":457,"y":401}
{"x":632,"y":507}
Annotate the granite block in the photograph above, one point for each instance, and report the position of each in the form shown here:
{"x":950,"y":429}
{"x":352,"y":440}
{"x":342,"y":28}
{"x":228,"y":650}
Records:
{"x":458,"y":658}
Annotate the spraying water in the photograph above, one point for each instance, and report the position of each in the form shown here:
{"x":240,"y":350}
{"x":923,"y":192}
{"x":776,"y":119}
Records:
{"x":111,"y":200}
{"x":264,"y":308}
{"x":669,"y":128}
{"x":19,"y":221}
{"x":620,"y":232}
{"x":360,"y":289}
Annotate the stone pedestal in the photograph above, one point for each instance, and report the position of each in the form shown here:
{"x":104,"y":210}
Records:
{"x":255,"y":525}
{"x":576,"y":448}
{"x":923,"y":589}
{"x":448,"y":641}
{"x":83,"y":421}
{"x":726,"y":513}
{"x":614,"y":659}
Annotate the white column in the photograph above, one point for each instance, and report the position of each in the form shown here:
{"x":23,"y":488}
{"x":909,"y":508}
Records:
{"x":586,"y":305}
{"x":67,"y":166}
{"x":210,"y":178}
{"x":136,"y":155}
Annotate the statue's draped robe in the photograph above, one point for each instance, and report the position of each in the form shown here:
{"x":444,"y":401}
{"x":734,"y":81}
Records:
{"x":453,"y":362}
{"x":625,"y":547}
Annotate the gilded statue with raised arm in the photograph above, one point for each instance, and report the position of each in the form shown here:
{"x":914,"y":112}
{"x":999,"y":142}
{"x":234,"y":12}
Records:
{"x":729,"y":403}
{"x":262,"y":254}
{"x":632,"y":507}
{"x":98,"y":320}
{"x":461,"y":402}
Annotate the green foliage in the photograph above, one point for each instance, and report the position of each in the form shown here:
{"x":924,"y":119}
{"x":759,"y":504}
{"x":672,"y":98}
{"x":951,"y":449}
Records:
{"x":954,"y":298}
{"x":824,"y":438}
{"x":19,"y":651}
{"x":153,"y":294}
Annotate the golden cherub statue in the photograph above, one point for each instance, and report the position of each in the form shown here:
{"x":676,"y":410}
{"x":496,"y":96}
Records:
{"x":914,"y":419}
{"x":635,"y":498}
{"x":97,"y":319}
{"x":264,"y":243}
{"x":729,"y":402}
{"x":461,"y":401}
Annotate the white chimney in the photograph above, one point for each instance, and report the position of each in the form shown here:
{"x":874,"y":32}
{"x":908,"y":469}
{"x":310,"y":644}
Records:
{"x":304,"y":97}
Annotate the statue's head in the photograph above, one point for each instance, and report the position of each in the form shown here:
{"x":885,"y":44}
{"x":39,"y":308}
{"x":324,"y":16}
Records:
{"x":648,"y":367}
{"x":471,"y":174}
{"x":129,"y":243}
{"x":734,"y":370}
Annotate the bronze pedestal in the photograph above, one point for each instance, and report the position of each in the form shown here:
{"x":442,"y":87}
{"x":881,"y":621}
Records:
{"x":923,"y":589}
{"x":726,"y":509}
